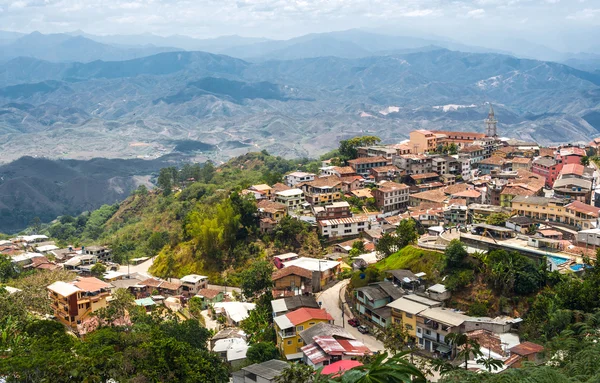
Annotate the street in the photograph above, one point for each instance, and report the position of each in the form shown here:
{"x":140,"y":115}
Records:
{"x":330,"y":299}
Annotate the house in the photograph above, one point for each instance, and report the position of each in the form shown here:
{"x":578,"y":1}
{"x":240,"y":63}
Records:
{"x":289,"y":326}
{"x":323,"y":271}
{"x":265,"y":372}
{"x":363,"y":166}
{"x":325,"y":350}
{"x":574,"y":189}
{"x":231,"y":350}
{"x":192,"y":283}
{"x":165,"y":288}
{"x":423,"y":141}
{"x":391,"y":196}
{"x":432,"y":196}
{"x":264,"y":190}
{"x":480,"y":212}
{"x":589,"y":237}
{"x":269,"y":214}
{"x":456,"y":214}
{"x":278,"y":260}
{"x":101,"y":253}
{"x":493,"y":163}
{"x":147,"y":303}
{"x":405,"y":311}
{"x":72,"y":302}
{"x":434,"y":324}
{"x":577,"y":214}
{"x":371,"y":302}
{"x":234,"y":312}
{"x":288,"y":304}
{"x":460,"y":139}
{"x":292,"y":280}
{"x":547,"y":167}
{"x":438,"y":292}
{"x":343,"y":227}
{"x":292,"y":198}
{"x":526,"y":351}
{"x":388,"y":172}
{"x":342,"y":171}
{"x":227,"y":333}
{"x":404,"y":278}
{"x":209,"y":297}
{"x":335,"y":210}
{"x":364,"y":260}
{"x":413,"y":163}
{"x":352,"y":183}
{"x":520,"y":163}
{"x":520,"y":224}
{"x":296,"y":178}
{"x":323,"y":190}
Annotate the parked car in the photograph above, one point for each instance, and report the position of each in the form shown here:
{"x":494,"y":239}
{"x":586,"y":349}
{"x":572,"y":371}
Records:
{"x":363,"y":329}
{"x":353,"y":322}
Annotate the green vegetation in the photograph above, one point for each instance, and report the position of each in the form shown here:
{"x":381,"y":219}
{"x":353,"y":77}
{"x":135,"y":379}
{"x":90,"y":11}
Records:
{"x":415,"y":259}
{"x":349,"y":148}
{"x":405,"y":234}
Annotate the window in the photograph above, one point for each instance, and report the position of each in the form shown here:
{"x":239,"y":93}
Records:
{"x":408,"y":326}
{"x":299,"y":328}
{"x":289,"y":342}
{"x":408,"y":315}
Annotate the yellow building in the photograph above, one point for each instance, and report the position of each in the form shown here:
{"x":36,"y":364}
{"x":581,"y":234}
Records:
{"x":72,"y":302}
{"x":576,"y":213}
{"x":405,"y":310}
{"x":289,"y":326}
{"x":264,"y":189}
{"x":423,"y":140}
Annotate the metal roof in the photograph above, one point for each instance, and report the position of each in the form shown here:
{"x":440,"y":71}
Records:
{"x":267,"y":370}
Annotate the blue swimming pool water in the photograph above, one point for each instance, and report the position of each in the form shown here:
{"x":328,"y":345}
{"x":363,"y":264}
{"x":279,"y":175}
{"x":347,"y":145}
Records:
{"x":557,"y":260}
{"x":577,"y":267}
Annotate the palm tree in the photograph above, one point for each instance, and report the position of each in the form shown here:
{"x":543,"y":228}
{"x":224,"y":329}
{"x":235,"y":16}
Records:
{"x":467,"y":346}
{"x":396,"y":369}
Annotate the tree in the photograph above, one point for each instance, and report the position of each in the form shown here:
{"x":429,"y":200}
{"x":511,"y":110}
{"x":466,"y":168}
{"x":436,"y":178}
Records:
{"x":394,"y":337}
{"x":406,"y":233}
{"x":256,"y":279}
{"x":261,"y":352}
{"x":387,"y":244}
{"x":121,"y":302}
{"x":98,"y":269}
{"x":396,"y":369}
{"x":36,"y":225}
{"x":296,"y":373}
{"x":497,"y":219}
{"x":465,"y":347}
{"x":165,"y":180}
{"x":455,"y":254}
{"x":349,"y":148}
{"x":360,"y":246}
{"x":585,"y":161}
{"x":157,"y":241}
{"x":208,"y":172}
{"x":8,"y":269}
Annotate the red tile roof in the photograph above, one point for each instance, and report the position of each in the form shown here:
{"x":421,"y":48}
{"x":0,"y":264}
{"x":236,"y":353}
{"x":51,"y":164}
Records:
{"x":576,"y":169}
{"x":584,"y":208}
{"x":291,"y":270}
{"x":367,"y":160}
{"x":526,"y":348}
{"x":209,"y":293}
{"x":340,"y":366}
{"x":90,"y":284}
{"x":305,"y":314}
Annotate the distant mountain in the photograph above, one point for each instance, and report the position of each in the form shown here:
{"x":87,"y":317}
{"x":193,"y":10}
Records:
{"x":149,"y":106}
{"x":352,"y":43}
{"x":66,"y":48}
{"x":214,"y":45}
{"x":38,"y":187}
{"x":7,"y":37}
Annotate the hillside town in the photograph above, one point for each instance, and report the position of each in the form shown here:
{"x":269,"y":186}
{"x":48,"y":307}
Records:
{"x":482,"y":191}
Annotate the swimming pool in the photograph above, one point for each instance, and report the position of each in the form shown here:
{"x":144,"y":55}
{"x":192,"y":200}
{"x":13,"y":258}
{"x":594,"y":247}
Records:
{"x":557,"y":260}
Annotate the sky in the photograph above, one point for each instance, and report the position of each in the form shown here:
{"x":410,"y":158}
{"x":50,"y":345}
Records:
{"x":566,"y":25}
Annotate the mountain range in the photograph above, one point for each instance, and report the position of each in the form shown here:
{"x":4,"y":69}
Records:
{"x":146,"y":107}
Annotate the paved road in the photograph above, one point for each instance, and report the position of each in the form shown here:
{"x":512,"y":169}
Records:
{"x":330,"y":299}
{"x":141,"y":268}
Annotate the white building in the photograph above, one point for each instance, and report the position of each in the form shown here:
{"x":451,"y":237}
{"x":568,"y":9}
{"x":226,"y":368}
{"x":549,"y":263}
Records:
{"x":295,"y":178}
{"x":231,"y":350}
{"x":293,"y":198}
{"x":191,"y":284}
{"x":343,"y":227}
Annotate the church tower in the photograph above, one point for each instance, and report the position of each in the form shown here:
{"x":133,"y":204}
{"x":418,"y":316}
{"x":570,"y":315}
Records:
{"x":491,"y":124}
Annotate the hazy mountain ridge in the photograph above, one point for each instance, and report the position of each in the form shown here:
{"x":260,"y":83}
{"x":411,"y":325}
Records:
{"x":300,"y":107}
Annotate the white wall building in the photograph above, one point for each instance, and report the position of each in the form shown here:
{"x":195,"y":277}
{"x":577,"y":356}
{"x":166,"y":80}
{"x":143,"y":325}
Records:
{"x":343,"y":227}
{"x":295,"y":178}
{"x":292,"y":198}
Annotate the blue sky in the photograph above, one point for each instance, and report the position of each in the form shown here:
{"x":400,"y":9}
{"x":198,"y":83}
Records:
{"x":568,"y":25}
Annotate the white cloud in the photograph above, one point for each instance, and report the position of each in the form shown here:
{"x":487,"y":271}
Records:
{"x":584,"y":14}
{"x":476,"y":13}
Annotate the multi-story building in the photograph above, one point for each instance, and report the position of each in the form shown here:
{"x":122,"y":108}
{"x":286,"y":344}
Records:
{"x":460,"y":139}
{"x":389,"y":173}
{"x":289,"y":326}
{"x":296,"y":178}
{"x":323,"y":271}
{"x":292,"y":280}
{"x":575,"y":182}
{"x":578,"y":214}
{"x":335,"y":210}
{"x":446,"y":165}
{"x":191,"y":284}
{"x":414,"y":163}
{"x":323,"y":190}
{"x":371,"y":301}
{"x":520,"y":163}
{"x":269,"y":214}
{"x":456,"y":214}
{"x":548,"y":168}
{"x":363,"y":165}
{"x":391,"y":196}
{"x":377,"y":151}
{"x":474,"y":153}
{"x":434,"y":324}
{"x":101,"y":253}
{"x":423,"y":141}
{"x":405,"y":311}
{"x":73,"y":302}
{"x":343,"y":227}
{"x":264,"y":189}
{"x":486,"y":166}
{"x":479,"y":213}
{"x":292,"y":198}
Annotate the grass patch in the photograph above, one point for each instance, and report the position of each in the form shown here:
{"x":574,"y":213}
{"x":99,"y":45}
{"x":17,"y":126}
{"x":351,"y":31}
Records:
{"x":414,"y":259}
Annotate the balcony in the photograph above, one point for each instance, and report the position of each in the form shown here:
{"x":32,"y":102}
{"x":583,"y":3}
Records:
{"x":286,"y":334}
